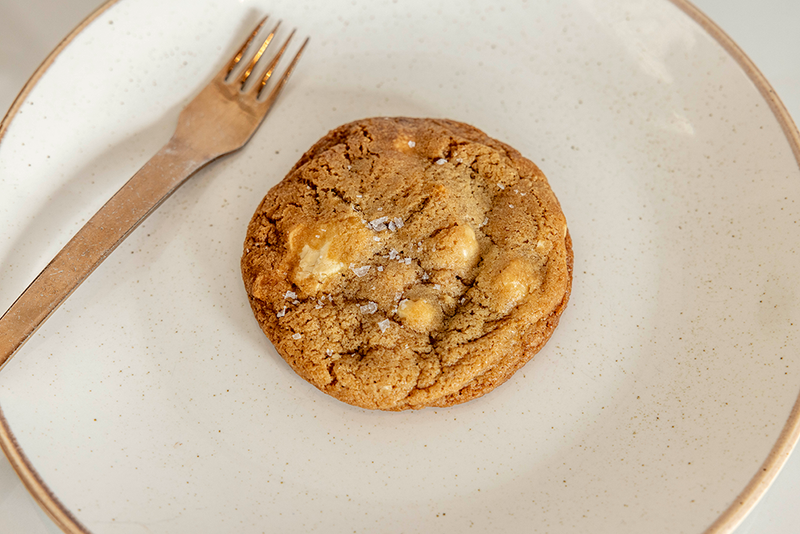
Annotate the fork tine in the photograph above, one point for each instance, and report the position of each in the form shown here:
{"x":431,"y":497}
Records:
{"x":273,"y":62}
{"x":285,"y":77}
{"x":238,"y":57}
{"x":246,"y":74}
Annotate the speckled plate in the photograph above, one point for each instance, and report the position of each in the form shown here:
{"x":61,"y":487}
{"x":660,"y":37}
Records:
{"x":664,"y":403}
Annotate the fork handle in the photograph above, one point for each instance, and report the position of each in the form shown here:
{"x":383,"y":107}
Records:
{"x":123,"y":212}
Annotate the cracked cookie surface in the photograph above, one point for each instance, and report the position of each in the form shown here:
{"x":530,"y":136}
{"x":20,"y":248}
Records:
{"x":405,"y":263}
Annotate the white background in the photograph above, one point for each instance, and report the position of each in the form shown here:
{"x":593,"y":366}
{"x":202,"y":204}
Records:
{"x":766,"y":31}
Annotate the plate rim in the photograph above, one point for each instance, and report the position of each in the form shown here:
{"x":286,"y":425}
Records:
{"x":33,"y":482}
{"x":730,"y":518}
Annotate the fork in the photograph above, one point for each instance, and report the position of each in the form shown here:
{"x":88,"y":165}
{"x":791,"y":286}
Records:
{"x":219,"y":120}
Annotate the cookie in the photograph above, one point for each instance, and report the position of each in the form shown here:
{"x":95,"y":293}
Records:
{"x":405,"y":263}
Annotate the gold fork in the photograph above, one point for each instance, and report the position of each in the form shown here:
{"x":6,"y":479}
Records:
{"x":219,"y":120}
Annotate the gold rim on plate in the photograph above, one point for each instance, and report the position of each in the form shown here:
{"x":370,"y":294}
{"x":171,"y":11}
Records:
{"x":725,"y":523}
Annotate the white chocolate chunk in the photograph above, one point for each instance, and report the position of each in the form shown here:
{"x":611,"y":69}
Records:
{"x":419,"y":315}
{"x":318,"y":259}
{"x":318,"y":263}
{"x":512,"y":284}
{"x":455,"y":248}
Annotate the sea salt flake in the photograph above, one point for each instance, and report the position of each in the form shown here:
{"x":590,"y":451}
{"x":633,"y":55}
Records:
{"x":392,"y":226}
{"x":459,"y":160}
{"x":425,"y":276}
{"x":281,"y":313}
{"x":329,"y":352}
{"x":412,"y":144}
{"x":383,"y":325}
{"x":318,"y":307}
{"x":380,"y":268}
{"x":290,"y":295}
{"x":511,"y":206}
{"x":437,"y":287}
{"x":380,"y":209}
{"x":485,"y":221}
{"x":407,"y":261}
{"x":393,"y":254}
{"x":376,"y":238}
{"x":398,"y":222}
{"x":378,"y":224}
{"x":360,"y":271}
{"x":441,"y":161}
{"x":501,"y":186}
{"x":359,"y":196}
{"x":297,"y":335}
{"x":369,"y":308}
{"x":295,"y":302}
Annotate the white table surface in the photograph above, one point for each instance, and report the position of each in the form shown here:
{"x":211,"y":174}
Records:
{"x":766,"y":30}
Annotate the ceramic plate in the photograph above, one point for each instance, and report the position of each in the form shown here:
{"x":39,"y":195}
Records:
{"x":152,"y":402}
